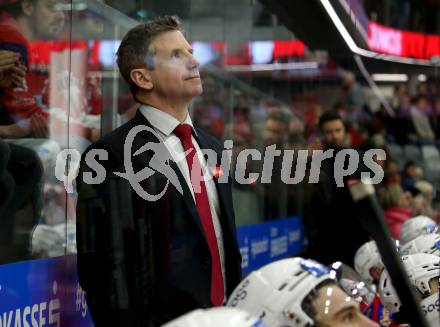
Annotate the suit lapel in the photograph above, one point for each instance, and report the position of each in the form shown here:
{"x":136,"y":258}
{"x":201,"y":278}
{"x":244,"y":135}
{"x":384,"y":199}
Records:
{"x":146,"y":157}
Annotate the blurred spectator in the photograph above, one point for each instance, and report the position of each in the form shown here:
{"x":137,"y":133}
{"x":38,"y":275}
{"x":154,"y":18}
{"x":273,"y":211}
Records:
{"x":401,"y":127}
{"x":417,"y":202}
{"x":276,"y":129}
{"x":208,"y":111}
{"x":435,"y":118}
{"x":312,"y":111}
{"x":358,"y":135}
{"x":21,"y":21}
{"x":20,"y":169}
{"x":397,"y":207}
{"x":91,"y":26}
{"x":20,"y":114}
{"x":409,"y":175}
{"x":24,"y":115}
{"x":241,"y":118}
{"x":404,"y":106}
{"x":427,"y":191}
{"x":248,"y":207}
{"x":422,"y":89}
{"x":26,"y":107}
{"x":275,"y":139}
{"x":433,"y":90}
{"x":353,"y":97}
{"x":333,"y":232}
{"x":20,"y":176}
{"x":400,"y":92}
{"x":391,"y":169}
{"x":296,"y":134}
{"x":420,"y":121}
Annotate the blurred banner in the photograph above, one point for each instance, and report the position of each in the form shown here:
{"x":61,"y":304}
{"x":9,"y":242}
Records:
{"x":400,"y":43}
{"x":46,"y":292}
{"x":41,"y":293}
{"x":266,"y":242}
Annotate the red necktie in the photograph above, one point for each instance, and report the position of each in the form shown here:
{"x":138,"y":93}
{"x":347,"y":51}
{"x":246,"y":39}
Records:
{"x":183,"y":132}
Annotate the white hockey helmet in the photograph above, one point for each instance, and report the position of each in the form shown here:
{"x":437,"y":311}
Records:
{"x":275,"y":292}
{"x":426,"y":243}
{"x":421,"y":269}
{"x":216,"y":317}
{"x":366,"y":258}
{"x":415,"y":227}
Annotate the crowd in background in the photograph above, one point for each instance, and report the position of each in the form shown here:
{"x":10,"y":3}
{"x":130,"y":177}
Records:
{"x":409,"y":185}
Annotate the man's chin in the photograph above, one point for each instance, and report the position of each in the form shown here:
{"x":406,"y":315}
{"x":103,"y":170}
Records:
{"x":198,"y":91}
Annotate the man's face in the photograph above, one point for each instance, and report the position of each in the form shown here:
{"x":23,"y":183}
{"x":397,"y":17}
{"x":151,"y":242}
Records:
{"x":47,"y":18}
{"x":422,"y":104}
{"x":334,"y":308}
{"x":334,"y":133}
{"x":274,"y":132}
{"x":176,"y":72}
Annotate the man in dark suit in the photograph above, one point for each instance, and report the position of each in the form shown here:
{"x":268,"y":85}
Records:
{"x":333,"y":230}
{"x":151,"y":251}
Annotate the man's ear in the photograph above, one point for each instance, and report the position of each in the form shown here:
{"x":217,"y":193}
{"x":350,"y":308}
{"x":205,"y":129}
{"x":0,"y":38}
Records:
{"x":27,"y":7}
{"x":142,"y":78}
{"x":375,"y":272}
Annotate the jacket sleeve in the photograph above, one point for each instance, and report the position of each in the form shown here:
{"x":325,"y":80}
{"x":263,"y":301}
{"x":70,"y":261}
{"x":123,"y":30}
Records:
{"x":110,"y":271}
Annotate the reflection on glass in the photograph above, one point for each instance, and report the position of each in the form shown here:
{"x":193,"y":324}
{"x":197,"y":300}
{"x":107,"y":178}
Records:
{"x":49,"y":102}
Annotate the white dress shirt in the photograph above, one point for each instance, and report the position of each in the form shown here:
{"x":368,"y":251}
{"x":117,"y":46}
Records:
{"x":164,"y":124}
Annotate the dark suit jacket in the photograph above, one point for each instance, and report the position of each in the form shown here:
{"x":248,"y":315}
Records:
{"x":333,"y":229}
{"x":142,"y":263}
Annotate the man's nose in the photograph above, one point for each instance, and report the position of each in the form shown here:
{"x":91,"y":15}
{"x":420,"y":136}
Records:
{"x":193,"y":63}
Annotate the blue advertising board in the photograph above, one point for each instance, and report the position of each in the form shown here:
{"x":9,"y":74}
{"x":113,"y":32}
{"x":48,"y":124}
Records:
{"x":46,"y":292}
{"x":269,"y":241}
{"x":42,"y":293}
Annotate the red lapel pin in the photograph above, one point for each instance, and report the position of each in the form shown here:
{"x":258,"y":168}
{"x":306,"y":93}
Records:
{"x":216,"y":171}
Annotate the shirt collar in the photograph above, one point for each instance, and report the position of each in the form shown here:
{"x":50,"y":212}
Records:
{"x":162,"y":121}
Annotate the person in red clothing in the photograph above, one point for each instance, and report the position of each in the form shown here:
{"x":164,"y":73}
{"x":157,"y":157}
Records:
{"x":397,"y":207}
{"x":21,"y":21}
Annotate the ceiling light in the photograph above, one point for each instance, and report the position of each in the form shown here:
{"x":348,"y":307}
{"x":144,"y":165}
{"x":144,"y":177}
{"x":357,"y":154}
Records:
{"x":390,"y":77}
{"x":272,"y":67}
